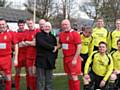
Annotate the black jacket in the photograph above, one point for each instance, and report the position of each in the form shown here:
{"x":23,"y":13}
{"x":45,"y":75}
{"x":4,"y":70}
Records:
{"x":45,"y":58}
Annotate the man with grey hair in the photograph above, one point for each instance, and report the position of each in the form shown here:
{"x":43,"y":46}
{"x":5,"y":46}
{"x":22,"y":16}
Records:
{"x":46,"y":54}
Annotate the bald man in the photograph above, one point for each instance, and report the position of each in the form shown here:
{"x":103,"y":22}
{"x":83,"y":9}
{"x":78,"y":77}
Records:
{"x":71,"y":45}
{"x":42,"y":23}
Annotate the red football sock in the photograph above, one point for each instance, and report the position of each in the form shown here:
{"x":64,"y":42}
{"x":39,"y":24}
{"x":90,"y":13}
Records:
{"x":32,"y":82}
{"x":76,"y":85}
{"x":70,"y":85}
{"x":8,"y":85}
{"x":17,"y":82}
{"x":27,"y":82}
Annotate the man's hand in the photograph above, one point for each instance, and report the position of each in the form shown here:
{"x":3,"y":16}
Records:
{"x":26,"y":43}
{"x":15,"y":62}
{"x":55,"y":49}
{"x":82,"y":59}
{"x":102,"y":83}
{"x":34,"y":70}
{"x":74,"y":61}
{"x":30,"y":43}
{"x":87,"y":77}
{"x":116,"y":72}
{"x":22,"y":44}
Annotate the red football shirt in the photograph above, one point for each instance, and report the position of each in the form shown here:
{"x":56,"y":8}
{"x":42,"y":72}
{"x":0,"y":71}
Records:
{"x":69,"y":41}
{"x":22,"y":50}
{"x":31,"y":51}
{"x":7,"y":39}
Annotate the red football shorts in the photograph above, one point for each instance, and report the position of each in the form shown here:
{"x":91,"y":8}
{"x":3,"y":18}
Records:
{"x":21,"y":61}
{"x":30,"y":62}
{"x":69,"y":68}
{"x":6,"y":64}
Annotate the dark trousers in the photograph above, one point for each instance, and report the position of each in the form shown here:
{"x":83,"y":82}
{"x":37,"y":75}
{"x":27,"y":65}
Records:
{"x":85,"y":57}
{"x":118,"y":81}
{"x":44,"y":79}
{"x":95,"y":79}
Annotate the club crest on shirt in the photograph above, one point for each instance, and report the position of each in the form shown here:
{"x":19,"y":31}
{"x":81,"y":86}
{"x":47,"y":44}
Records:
{"x":5,"y":37}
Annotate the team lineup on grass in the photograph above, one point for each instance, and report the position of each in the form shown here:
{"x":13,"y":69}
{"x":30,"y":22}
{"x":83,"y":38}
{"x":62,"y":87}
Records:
{"x":93,"y":53}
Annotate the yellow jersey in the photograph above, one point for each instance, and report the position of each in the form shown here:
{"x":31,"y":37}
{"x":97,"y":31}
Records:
{"x":102,"y":65}
{"x":114,"y":36}
{"x":98,"y":35}
{"x":116,"y":60}
{"x":86,"y":42}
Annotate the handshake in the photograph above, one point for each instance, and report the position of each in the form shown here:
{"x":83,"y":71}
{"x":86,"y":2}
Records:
{"x":55,"y":49}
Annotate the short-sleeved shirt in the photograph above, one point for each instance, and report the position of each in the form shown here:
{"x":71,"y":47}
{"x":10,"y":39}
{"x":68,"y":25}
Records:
{"x":31,"y":51}
{"x":7,"y":39}
{"x":69,"y":41}
{"x":21,"y":37}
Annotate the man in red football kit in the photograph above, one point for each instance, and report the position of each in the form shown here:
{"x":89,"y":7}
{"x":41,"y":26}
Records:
{"x":71,"y":45}
{"x":21,"y":54}
{"x":7,"y":38}
{"x":31,"y":52}
{"x":41,"y":27}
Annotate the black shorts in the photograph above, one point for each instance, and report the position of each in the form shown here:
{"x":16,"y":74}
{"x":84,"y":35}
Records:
{"x":95,"y":79}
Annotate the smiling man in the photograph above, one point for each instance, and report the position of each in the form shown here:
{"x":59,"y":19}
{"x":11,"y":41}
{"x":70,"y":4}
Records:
{"x":70,"y":42}
{"x":7,"y":39}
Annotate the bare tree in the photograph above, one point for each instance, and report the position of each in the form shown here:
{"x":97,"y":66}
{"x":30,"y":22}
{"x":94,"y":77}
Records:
{"x":5,"y":3}
{"x":64,"y":3}
{"x":44,"y":8}
{"x":68,"y":7}
{"x":109,"y":9}
{"x":91,"y":8}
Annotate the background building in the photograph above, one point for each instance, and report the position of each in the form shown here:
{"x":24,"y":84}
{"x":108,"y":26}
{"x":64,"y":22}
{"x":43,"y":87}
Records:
{"x":17,"y":4}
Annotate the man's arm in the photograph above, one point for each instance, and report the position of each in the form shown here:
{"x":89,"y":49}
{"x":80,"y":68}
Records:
{"x":16,"y":55}
{"x":31,"y":43}
{"x":57,"y":47}
{"x":87,"y":64}
{"x":109,"y":71}
{"x":74,"y":61}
